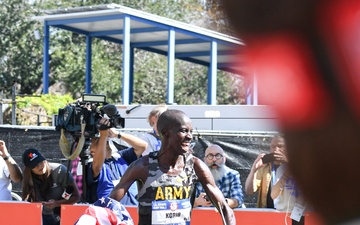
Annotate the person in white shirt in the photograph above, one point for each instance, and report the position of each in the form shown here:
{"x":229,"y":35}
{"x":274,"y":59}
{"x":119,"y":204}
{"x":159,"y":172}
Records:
{"x":9,"y":171}
{"x":286,"y":194}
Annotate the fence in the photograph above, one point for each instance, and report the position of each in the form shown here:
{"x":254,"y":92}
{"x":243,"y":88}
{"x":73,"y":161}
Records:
{"x":240,"y":149}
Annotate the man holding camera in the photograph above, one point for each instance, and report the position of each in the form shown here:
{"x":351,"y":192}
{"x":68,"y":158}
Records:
{"x":109,"y":163}
{"x":263,"y":171}
{"x":227,"y":179}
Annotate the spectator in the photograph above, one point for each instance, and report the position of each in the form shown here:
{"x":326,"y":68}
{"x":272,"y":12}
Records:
{"x":9,"y":171}
{"x":227,"y":179}
{"x":109,"y":164}
{"x":152,"y":138}
{"x":47,"y":183}
{"x":286,"y":193}
{"x":77,"y":173}
{"x":77,"y":170}
{"x":260,"y":176}
{"x":167,"y":178}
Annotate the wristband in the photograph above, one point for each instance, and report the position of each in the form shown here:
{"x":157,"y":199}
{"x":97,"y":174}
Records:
{"x":6,"y":157}
{"x":119,"y":135}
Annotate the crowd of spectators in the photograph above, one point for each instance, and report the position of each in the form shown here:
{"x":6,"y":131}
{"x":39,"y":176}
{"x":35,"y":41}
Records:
{"x":115,"y":172}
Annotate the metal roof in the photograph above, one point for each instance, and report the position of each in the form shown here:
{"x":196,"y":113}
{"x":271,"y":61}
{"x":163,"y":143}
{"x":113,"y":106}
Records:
{"x":148,"y":32}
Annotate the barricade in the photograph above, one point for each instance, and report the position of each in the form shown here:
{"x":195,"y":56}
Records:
{"x":16,"y":212}
{"x":71,"y":213}
{"x":201,"y":216}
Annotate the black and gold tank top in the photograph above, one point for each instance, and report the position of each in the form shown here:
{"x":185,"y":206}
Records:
{"x":164,"y":198}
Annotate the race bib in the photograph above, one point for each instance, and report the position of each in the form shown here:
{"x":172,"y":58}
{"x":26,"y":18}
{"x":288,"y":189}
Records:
{"x":297,"y":212}
{"x":171,"y":212}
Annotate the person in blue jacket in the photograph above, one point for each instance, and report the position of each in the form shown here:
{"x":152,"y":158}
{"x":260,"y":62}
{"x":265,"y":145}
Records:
{"x":109,"y":164}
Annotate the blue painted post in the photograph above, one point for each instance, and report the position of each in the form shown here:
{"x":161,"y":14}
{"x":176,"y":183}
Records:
{"x":255,"y":90}
{"x":88,"y":76}
{"x":46,"y":59}
{"x":212,"y":76}
{"x":131,"y":87}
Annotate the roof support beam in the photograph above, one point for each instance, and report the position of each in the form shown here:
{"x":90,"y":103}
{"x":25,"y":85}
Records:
{"x":120,"y":31}
{"x":194,"y":54}
{"x":84,"y":19}
{"x":171,"y":62}
{"x":74,"y":30}
{"x":165,"y":42}
{"x":177,"y":29}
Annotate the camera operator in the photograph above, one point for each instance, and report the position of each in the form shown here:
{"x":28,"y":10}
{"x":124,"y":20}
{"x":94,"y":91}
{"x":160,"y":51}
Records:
{"x":109,"y":163}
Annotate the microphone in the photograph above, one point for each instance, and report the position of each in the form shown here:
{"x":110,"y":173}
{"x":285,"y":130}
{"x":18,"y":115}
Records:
{"x":129,"y":110}
{"x":67,"y":192}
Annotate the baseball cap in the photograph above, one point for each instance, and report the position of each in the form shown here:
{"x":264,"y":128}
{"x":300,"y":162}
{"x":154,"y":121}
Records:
{"x":31,"y":157}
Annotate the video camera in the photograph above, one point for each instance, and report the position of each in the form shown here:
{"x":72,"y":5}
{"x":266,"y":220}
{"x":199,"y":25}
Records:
{"x":87,"y":111}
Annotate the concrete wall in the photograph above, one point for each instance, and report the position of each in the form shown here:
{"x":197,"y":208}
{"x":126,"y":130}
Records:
{"x":210,"y":117}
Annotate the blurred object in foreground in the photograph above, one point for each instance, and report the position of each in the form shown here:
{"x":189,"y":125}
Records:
{"x":305,"y":55}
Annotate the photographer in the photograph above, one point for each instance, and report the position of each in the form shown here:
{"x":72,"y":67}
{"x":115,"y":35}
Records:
{"x":262,"y":173}
{"x":102,"y":165}
{"x":109,"y":164}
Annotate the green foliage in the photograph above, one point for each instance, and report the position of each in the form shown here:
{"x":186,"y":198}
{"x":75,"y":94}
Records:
{"x":150,"y":78}
{"x":37,"y":109}
{"x":20,"y":53}
{"x":51,"y":103}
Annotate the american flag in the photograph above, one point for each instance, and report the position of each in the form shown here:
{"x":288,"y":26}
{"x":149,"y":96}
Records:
{"x":105,"y":211}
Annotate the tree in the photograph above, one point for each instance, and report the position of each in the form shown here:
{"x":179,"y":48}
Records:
{"x":20,"y":52}
{"x":67,"y":54}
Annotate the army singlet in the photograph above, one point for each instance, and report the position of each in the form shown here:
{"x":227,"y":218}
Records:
{"x":164,"y":198}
